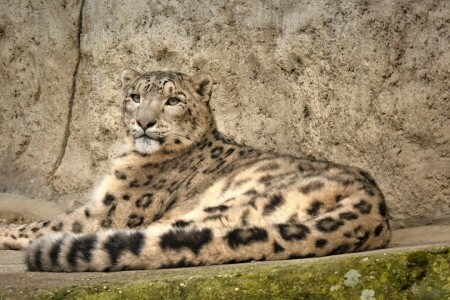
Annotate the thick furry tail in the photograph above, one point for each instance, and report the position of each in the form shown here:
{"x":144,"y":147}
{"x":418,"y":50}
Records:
{"x":180,"y":244}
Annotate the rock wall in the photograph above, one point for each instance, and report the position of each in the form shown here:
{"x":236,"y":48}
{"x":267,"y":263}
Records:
{"x":358,"y":82}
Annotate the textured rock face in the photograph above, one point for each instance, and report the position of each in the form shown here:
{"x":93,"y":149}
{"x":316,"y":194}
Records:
{"x":357,"y":82}
{"x":38,"y":54}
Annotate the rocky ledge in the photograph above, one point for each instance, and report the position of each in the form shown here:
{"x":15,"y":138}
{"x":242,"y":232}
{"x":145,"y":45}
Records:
{"x":419,"y":272}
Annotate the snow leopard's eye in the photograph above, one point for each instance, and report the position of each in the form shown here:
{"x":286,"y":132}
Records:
{"x":136,"y":98}
{"x":173,"y":101}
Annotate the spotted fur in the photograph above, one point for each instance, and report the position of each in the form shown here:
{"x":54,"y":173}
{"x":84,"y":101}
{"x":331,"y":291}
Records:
{"x":185,"y":195}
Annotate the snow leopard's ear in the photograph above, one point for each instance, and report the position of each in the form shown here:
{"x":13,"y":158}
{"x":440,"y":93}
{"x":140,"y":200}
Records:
{"x":202,"y":84}
{"x":127,"y":77}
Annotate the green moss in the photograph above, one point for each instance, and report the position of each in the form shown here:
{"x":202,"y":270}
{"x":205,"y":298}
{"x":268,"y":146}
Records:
{"x":413,"y":274}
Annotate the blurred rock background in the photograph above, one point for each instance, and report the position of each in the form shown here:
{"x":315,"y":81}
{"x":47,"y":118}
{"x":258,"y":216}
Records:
{"x":364,"y":83}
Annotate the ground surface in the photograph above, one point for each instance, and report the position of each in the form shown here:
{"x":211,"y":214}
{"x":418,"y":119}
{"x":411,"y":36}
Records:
{"x":429,"y":245}
{"x":413,"y":272}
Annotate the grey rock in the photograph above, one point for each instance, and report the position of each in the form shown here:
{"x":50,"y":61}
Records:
{"x":364,"y":83}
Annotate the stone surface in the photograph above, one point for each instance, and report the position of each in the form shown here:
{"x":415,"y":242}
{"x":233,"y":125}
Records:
{"x":357,"y":82}
{"x":38,"y":55}
{"x":402,"y":273}
{"x":22,"y":210}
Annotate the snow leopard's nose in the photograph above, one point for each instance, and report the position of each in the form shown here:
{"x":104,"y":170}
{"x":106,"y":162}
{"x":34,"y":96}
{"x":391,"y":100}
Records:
{"x":144,"y":124}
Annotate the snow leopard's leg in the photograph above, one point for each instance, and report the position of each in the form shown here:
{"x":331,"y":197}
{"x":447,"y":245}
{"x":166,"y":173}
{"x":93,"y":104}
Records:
{"x":97,"y":214}
{"x":19,"y":237}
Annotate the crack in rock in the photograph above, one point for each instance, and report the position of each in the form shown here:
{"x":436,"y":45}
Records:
{"x":71,"y":97}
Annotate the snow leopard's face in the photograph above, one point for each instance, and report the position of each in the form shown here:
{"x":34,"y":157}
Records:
{"x":166,"y":110}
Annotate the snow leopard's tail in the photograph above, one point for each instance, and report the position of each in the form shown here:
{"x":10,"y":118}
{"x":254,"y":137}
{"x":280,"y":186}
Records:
{"x":188,"y":244}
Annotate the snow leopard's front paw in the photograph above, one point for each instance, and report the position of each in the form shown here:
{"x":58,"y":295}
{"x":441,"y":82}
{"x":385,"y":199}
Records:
{"x":12,"y":239}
